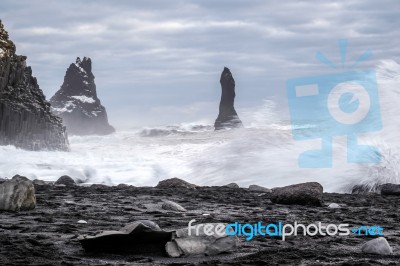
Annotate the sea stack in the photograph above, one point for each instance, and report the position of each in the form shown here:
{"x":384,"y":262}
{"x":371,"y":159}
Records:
{"x":26,"y":120}
{"x":227,"y":117}
{"x":76,"y":102}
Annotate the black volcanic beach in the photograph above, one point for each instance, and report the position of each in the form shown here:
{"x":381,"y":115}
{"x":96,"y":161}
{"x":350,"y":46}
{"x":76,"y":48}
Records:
{"x":48,"y":235}
{"x":208,"y":133}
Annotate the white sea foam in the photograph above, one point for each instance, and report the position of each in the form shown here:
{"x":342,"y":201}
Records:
{"x":262,"y":153}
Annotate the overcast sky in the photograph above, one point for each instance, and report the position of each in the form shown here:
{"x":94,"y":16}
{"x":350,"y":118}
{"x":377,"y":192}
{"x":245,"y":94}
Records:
{"x":159,"y":62}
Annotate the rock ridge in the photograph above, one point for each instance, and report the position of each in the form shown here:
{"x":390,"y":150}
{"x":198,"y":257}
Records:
{"x":26,"y":120}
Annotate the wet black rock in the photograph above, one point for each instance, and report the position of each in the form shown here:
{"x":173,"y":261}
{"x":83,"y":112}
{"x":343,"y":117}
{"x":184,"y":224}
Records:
{"x":227,"y":117}
{"x":25,"y":117}
{"x":231,"y":185}
{"x":77,"y":102}
{"x":65,"y":180}
{"x":175,"y":183}
{"x":139,"y":237}
{"x":309,"y":193}
{"x":390,"y":189}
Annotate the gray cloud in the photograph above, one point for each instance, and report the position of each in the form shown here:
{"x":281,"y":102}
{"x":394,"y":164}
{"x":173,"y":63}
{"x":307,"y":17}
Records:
{"x":158,"y":58}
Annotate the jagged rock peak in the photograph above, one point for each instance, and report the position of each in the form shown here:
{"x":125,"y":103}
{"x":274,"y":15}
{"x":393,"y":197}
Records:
{"x":25,"y":117}
{"x":227,"y":117}
{"x":77,"y":102}
{"x":227,"y":77}
{"x":85,"y":64}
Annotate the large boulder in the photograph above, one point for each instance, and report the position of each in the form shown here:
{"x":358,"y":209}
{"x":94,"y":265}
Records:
{"x":26,"y":120}
{"x":378,"y":246}
{"x":17,"y":194}
{"x":175,"y":183}
{"x":77,"y":102}
{"x":390,"y":189}
{"x":65,"y":180}
{"x":309,"y":193}
{"x":227,"y":116}
{"x":231,"y":185}
{"x":210,"y":240}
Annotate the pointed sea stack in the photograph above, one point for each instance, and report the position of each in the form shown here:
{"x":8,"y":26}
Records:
{"x":77,"y":103}
{"x":227,"y":117}
{"x":25,"y":117}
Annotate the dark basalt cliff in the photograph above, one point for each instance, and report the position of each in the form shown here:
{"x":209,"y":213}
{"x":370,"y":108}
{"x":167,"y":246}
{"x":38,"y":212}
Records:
{"x":77,"y":102}
{"x":227,"y":117}
{"x":25,"y":117}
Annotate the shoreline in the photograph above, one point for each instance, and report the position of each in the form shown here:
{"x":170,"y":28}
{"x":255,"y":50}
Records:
{"x":48,"y":234}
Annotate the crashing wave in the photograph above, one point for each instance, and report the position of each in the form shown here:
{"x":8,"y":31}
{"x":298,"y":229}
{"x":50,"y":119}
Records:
{"x":174,"y":130}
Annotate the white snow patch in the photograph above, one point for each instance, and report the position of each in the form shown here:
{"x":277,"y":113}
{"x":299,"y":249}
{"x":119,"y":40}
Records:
{"x":85,"y":82}
{"x":80,"y":68}
{"x":84,"y":99}
{"x":95,"y":113}
{"x":68,"y":107}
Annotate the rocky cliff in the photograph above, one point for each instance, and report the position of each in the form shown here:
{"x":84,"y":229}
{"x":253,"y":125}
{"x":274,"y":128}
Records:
{"x":227,"y":117}
{"x":77,"y":102}
{"x":25,"y":117}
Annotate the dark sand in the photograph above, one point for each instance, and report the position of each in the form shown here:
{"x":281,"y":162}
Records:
{"x":48,"y":234}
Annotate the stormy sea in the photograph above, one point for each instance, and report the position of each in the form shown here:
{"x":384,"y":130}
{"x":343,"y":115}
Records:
{"x":263,"y":152}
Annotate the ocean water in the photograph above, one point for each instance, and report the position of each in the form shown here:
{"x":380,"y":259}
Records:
{"x":262,"y":153}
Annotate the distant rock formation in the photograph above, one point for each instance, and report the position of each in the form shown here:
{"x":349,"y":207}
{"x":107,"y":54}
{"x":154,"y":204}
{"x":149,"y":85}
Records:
{"x":25,"y":117}
{"x":227,"y":117}
{"x":77,"y":103}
